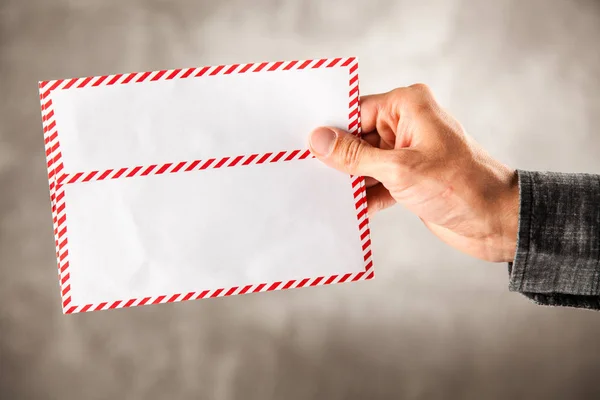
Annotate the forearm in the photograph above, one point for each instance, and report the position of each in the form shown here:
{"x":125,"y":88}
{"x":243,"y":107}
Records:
{"x":558,"y":251}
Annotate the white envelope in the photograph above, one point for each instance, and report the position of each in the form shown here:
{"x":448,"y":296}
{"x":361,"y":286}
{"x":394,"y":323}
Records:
{"x":196,"y":183}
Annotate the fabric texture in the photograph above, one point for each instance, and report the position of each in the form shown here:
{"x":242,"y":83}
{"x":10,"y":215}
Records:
{"x":557,"y":262}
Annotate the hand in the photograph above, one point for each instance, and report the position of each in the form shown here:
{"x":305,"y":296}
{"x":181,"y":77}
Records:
{"x":416,"y":154}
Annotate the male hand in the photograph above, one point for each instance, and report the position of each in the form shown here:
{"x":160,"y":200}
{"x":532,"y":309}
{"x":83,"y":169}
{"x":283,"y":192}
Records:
{"x":416,"y":154}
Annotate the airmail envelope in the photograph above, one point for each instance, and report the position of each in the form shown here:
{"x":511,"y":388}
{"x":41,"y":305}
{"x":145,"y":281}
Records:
{"x":195,"y":183}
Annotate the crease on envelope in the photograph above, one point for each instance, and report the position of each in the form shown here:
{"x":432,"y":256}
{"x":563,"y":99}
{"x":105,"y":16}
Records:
{"x":142,"y":266}
{"x":142,"y":272}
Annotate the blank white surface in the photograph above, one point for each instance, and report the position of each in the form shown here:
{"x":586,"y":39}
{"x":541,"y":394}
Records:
{"x":197,"y":118}
{"x":183,"y":232}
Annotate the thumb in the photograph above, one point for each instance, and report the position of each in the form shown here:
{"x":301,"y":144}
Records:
{"x":347,"y":153}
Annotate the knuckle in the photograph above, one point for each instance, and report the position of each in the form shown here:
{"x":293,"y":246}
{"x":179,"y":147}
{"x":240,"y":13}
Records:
{"x":400,"y":166}
{"x":423,"y":107}
{"x":423,"y":100}
{"x":421,"y":88}
{"x":350,"y":153}
{"x":396,"y":171}
{"x":400,"y":91}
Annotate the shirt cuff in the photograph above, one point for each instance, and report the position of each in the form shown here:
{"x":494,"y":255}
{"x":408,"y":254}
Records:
{"x":557,"y":261}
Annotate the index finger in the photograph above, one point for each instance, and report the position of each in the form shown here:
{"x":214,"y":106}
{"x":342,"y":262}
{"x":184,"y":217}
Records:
{"x":370,"y":106}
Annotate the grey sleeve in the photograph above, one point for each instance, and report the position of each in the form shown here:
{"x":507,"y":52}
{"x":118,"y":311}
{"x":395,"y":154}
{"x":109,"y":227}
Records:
{"x":557,"y":262}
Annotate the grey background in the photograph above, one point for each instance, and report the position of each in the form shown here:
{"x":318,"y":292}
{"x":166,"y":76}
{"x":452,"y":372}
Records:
{"x":522,"y":76}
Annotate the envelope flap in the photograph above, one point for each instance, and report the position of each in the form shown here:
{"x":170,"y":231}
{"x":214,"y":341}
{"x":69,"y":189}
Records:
{"x":197,"y":117}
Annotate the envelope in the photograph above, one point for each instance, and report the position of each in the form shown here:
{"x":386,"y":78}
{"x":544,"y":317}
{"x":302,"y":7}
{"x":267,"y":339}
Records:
{"x":197,"y":183}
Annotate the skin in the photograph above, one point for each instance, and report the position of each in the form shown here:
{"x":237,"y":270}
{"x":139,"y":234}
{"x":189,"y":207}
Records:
{"x":416,"y":154}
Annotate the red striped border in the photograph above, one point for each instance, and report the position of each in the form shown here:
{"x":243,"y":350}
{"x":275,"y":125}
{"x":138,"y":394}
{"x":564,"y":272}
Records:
{"x":183,"y":166}
{"x":46,"y":87}
{"x":57,"y":177}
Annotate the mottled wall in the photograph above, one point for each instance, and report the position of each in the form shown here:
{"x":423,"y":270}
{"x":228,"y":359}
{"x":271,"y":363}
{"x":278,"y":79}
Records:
{"x":522,"y":75}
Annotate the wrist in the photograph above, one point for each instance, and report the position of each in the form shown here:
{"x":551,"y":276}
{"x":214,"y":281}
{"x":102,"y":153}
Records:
{"x":509,"y":217}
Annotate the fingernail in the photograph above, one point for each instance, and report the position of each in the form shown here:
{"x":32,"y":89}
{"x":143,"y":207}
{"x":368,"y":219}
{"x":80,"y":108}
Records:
{"x":321,"y":141}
